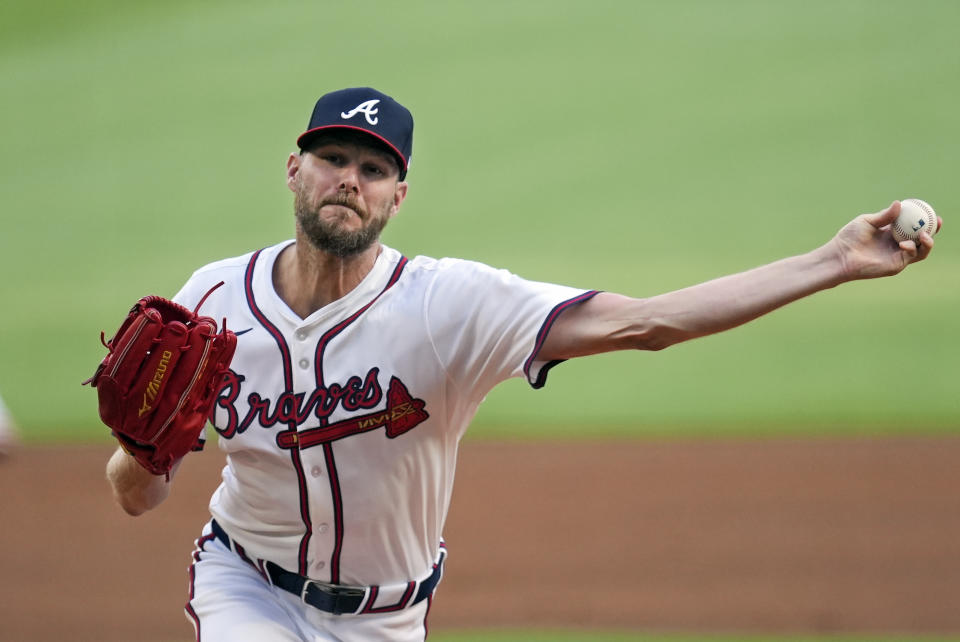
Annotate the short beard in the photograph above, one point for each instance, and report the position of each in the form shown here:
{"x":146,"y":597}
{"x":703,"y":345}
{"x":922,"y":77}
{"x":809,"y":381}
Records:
{"x":329,"y":237}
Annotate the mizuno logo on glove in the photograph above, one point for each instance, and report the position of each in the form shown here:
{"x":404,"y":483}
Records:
{"x":150,"y":393}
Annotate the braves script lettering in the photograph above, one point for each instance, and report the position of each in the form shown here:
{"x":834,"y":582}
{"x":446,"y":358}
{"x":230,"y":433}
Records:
{"x":294,"y":408}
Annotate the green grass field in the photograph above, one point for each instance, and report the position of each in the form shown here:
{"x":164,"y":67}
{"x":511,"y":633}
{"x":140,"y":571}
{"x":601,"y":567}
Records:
{"x":634,"y":147}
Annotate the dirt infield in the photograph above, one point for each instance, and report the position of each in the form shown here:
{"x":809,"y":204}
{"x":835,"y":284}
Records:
{"x":854,"y":535}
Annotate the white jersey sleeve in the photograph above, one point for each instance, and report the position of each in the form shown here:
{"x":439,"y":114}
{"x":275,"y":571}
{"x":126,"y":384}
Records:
{"x":487,"y":325}
{"x":230,"y":271}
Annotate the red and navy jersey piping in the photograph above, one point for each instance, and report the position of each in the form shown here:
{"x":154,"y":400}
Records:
{"x":330,"y":460}
{"x":288,"y":388}
{"x":328,"y":447}
{"x":541,"y":379}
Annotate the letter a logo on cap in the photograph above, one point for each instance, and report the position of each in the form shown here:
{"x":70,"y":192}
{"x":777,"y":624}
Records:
{"x":369,"y":109}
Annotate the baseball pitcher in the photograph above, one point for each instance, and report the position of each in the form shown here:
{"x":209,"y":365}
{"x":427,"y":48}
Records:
{"x":340,"y":376}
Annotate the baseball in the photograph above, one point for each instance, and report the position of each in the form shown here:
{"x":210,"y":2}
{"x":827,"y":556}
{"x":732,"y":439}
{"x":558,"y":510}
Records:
{"x":915,"y":216}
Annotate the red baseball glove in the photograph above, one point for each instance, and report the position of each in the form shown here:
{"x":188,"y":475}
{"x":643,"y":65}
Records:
{"x":159,"y":381}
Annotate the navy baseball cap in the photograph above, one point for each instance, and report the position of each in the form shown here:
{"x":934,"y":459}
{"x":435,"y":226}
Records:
{"x":366,"y":110}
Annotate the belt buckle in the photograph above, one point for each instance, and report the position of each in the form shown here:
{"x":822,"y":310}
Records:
{"x":333,"y":595}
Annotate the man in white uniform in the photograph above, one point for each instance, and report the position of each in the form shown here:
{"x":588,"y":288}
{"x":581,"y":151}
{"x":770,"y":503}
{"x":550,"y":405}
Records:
{"x":8,"y":432}
{"x":357,"y":372}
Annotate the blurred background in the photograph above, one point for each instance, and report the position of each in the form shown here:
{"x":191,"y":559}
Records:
{"x":634,"y":147}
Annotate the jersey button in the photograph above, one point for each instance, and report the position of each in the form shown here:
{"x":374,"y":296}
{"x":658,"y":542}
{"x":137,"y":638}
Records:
{"x":323,"y":528}
{"x":301,"y":335}
{"x":319,"y":565}
{"x":315,"y":471}
{"x":304,"y":363}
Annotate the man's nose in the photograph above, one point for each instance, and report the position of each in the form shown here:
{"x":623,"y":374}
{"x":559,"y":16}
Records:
{"x":350,"y":179}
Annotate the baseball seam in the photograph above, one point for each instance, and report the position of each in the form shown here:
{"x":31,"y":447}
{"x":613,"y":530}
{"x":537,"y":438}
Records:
{"x":900,"y":234}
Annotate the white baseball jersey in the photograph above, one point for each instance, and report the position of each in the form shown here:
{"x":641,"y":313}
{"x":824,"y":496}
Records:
{"x":341,"y":429}
{"x":6,"y":422}
{"x":4,"y":414}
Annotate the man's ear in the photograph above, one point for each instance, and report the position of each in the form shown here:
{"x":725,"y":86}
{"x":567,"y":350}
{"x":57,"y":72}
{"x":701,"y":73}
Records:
{"x":398,"y":197}
{"x":293,"y":166}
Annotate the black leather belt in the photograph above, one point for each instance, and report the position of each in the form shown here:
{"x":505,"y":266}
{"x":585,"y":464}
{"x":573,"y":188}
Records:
{"x":332,"y":598}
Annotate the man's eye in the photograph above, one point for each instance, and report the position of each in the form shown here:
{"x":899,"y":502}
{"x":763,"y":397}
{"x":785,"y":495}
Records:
{"x":375,"y":170}
{"x":332,"y":158}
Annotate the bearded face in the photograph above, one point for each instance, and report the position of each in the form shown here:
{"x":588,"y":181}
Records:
{"x":331,"y":234}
